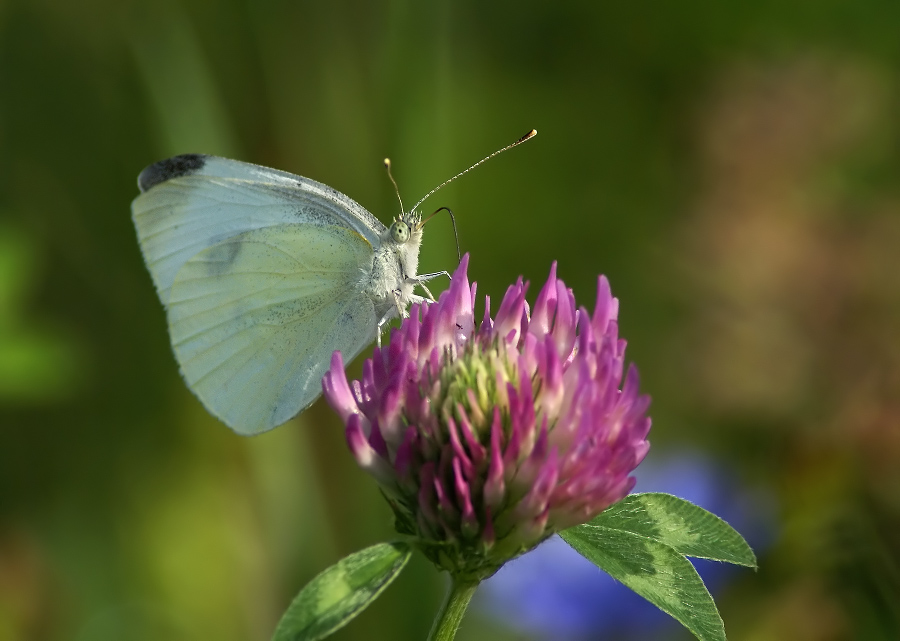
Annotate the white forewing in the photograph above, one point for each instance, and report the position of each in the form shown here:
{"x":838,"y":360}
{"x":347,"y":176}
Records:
{"x":193,"y":202}
{"x":254,"y":319}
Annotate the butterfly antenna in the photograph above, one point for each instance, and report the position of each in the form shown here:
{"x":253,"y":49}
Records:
{"x":531,"y":134}
{"x":387,"y":165}
{"x":453,"y":220}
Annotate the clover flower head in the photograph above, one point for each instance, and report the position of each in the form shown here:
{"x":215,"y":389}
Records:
{"x":487,"y":439}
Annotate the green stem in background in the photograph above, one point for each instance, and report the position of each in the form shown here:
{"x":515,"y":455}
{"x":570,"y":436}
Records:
{"x":452,"y":610}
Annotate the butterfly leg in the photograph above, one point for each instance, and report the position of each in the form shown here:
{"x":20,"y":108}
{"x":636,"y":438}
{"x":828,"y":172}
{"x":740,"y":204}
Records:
{"x":421,"y":279}
{"x":424,"y":278}
{"x":400,"y":311}
{"x":427,"y":291}
{"x":392,"y":312}
{"x":384,"y":320}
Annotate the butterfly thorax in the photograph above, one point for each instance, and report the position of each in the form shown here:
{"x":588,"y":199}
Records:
{"x":394,"y":267}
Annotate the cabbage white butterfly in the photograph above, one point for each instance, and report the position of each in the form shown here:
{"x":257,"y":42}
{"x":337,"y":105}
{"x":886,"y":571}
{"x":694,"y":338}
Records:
{"x":264,"y":275}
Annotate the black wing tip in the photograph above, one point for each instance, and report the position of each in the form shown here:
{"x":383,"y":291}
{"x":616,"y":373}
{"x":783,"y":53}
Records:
{"x":170,"y":168}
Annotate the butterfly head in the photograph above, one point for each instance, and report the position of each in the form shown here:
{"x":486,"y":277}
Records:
{"x":405,"y":235}
{"x":408,"y":225}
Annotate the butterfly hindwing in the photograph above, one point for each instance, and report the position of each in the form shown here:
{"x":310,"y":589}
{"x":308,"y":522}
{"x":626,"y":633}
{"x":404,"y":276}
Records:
{"x":255,"y":318}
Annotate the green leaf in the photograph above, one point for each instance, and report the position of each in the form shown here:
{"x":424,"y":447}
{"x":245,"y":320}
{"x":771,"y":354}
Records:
{"x":338,"y":594}
{"x":655,"y":571}
{"x":643,"y":540}
{"x":678,"y":524}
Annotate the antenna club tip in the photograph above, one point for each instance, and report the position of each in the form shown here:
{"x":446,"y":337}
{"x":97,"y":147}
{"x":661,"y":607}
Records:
{"x":387,"y":161}
{"x":530,"y":134}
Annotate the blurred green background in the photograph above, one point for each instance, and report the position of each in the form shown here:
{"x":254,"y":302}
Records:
{"x":732,"y":168}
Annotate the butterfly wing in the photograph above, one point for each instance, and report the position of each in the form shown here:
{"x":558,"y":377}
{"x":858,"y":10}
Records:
{"x":254,"y":319}
{"x":192,"y":202}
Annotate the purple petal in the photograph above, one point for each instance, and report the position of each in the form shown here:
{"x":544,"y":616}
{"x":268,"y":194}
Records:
{"x":544,"y":312}
{"x":508,"y":321}
{"x":365,"y":454}
{"x":495,"y":485}
{"x":337,"y":391}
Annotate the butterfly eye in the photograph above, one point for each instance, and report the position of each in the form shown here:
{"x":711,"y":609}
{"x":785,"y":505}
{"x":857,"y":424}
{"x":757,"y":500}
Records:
{"x":400,"y":231}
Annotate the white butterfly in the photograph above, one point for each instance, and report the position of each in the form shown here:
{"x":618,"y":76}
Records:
{"x":264,"y":275}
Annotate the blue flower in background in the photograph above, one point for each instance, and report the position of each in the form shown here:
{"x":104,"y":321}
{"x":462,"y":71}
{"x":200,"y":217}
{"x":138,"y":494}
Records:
{"x":554,"y":593}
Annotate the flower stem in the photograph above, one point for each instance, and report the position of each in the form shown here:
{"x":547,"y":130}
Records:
{"x":452,"y":610}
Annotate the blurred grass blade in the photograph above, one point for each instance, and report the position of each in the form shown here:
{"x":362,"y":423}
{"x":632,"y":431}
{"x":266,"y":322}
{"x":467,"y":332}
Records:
{"x":180,"y":84}
{"x":338,"y":594}
{"x":655,"y":571}
{"x":686,"y":528}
